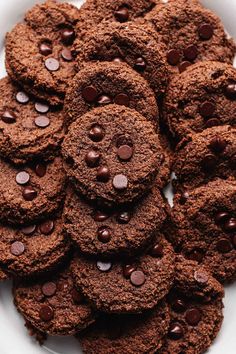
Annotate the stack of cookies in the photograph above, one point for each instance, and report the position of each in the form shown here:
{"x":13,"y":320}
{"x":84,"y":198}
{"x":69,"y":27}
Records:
{"x":100,"y":105}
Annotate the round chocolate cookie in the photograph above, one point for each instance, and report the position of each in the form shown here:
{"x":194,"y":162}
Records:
{"x":112,"y":231}
{"x":201,"y":97}
{"x":99,"y":84}
{"x":138,"y":334}
{"x":38,"y":51}
{"x":29,"y":129}
{"x":31,"y":193}
{"x":95,"y":11}
{"x":135,"y":44}
{"x":131,"y":285}
{"x":196,"y":310}
{"x":191,"y":33}
{"x":32,"y":249}
{"x":204,"y":227}
{"x":112,"y":154}
{"x":205,"y":156}
{"x":53,"y":305}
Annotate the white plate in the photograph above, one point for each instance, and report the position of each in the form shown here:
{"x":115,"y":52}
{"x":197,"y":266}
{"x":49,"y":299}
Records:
{"x":13,"y":335}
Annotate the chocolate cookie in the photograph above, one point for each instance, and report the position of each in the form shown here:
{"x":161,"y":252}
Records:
{"x":99,"y":84}
{"x":136,"y":44}
{"x":112,"y":154}
{"x":205,"y":156}
{"x":196,"y":310}
{"x":191,"y":33}
{"x":204,"y":227}
{"x":38,"y":51}
{"x":112,"y":231}
{"x":129,"y":285}
{"x":32,"y":249}
{"x":136,"y":334}
{"x":53,"y":305}
{"x":29,"y":129}
{"x":30,"y":193}
{"x":203,"y":96}
{"x":94,"y":12}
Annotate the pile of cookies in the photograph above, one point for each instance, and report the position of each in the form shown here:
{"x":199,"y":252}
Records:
{"x":100,"y":105}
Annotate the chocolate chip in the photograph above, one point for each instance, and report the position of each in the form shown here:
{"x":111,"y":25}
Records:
{"x":28,"y":230}
{"x":221,"y":217}
{"x":22,"y":178}
{"x":123,"y":217}
{"x":173,"y":57}
{"x":46,"y":313}
{"x":17,"y":248}
{"x":140,"y":64}
{"x":29,"y":193}
{"x":218,"y":145}
{"x":41,"y":107}
{"x":100,"y":216}
{"x":104,"y":234}
{"x":157,"y":250}
{"x":96,"y":133}
{"x":103,"y":100}
{"x":191,"y":52}
{"x":103,"y":174}
{"x":175,"y":331}
{"x":49,"y":289}
{"x":209,"y":163}
{"x":47,"y":227}
{"x":104,"y":266}
{"x":207,"y":109}
{"x":224,"y":246}
{"x":67,"y":35}
{"x":213,"y":122}
{"x":8,"y":117}
{"x":128,"y":269}
{"x":137,"y":278}
{"x":89,"y":93}
{"x":40,"y":170}
{"x":122,"y":14}
{"x":230,"y":225}
{"x":230,"y":91}
{"x":76,"y":296}
{"x":183,"y":197}
{"x":193,"y":316}
{"x":92,"y":158}
{"x":45,"y":48}
{"x":196,"y":255}
{"x":178,"y":305}
{"x":122,"y":99}
{"x":125,"y":152}
{"x":22,"y":97}
{"x":205,"y":31}
{"x":184,"y":65}
{"x":120,"y":182}
{"x":52,"y":64}
{"x":201,"y":277}
{"x":42,"y":122}
{"x":66,"y":54}
{"x":118,"y":60}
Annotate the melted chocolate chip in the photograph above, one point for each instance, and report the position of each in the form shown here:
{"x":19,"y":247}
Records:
{"x":96,"y":133}
{"x":29,"y":193}
{"x":175,"y":331}
{"x":66,"y":54}
{"x":193,"y":316}
{"x":128,"y":269}
{"x":157,"y":250}
{"x":41,"y":107}
{"x":140,"y":64}
{"x":207,"y":109}
{"x":184,"y":65}
{"x":178,"y":305}
{"x":213,"y":122}
{"x":125,"y":152}
{"x":47,"y":227}
{"x":67,"y":35}
{"x":76,"y":296}
{"x":221,"y":217}
{"x":230,"y":225}
{"x":28,"y":230}
{"x":191,"y":52}
{"x":122,"y":99}
{"x":224,"y":246}
{"x":104,"y":100}
{"x":100,"y":216}
{"x":120,"y":182}
{"x":173,"y":57}
{"x":230,"y":91}
{"x":218,"y":145}
{"x":45,"y":48}
{"x":205,"y":31}
{"x":183,"y":197}
{"x":123,"y":217}
{"x":40,"y":170}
